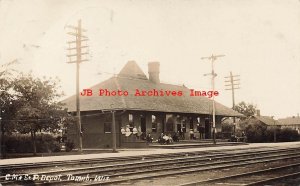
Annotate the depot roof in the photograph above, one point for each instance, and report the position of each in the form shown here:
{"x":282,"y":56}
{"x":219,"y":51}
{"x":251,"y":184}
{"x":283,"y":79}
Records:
{"x":131,"y":78}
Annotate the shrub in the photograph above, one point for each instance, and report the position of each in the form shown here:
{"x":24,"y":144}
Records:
{"x":256,"y":133}
{"x":219,"y":135}
{"x":287,"y":134}
{"x":227,"y":128}
{"x":69,"y":146}
{"x":18,"y":143}
{"x":23,"y":143}
{"x":260,"y":133}
{"x":269,"y":136}
{"x":47,"y":143}
{"x":55,"y":147}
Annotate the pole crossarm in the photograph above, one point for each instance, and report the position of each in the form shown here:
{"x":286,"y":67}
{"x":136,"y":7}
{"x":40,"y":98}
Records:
{"x":212,"y":57}
{"x":77,"y":48}
{"x":232,"y":76}
{"x":232,"y":84}
{"x":70,"y":42}
{"x":229,"y":81}
{"x":76,"y":34}
{"x":76,"y":28}
{"x":70,"y":55}
{"x":78,"y":61}
{"x":233,"y":88}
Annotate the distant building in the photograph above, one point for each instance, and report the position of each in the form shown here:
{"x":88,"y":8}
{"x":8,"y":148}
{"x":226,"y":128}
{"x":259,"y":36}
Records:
{"x":166,"y":108}
{"x":290,"y":122}
{"x":265,"y":120}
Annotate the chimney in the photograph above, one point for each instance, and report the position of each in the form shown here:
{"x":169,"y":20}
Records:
{"x":257,"y":112}
{"x":153,"y":70}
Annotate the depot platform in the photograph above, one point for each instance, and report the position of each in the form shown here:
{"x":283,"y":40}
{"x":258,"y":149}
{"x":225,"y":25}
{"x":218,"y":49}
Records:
{"x":195,"y":144}
{"x":138,"y":152}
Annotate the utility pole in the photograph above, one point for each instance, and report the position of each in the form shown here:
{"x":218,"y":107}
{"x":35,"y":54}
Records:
{"x":212,"y":59}
{"x":232,"y":84}
{"x":75,"y":52}
{"x":1,"y":133}
{"x":274,"y":132}
{"x":114,"y":136}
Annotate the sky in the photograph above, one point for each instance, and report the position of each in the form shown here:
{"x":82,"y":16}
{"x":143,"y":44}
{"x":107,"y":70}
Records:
{"x":260,"y":41}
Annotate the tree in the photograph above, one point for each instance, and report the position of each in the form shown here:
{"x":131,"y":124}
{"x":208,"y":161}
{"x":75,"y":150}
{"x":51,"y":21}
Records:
{"x":245,"y":108}
{"x":38,"y":106}
{"x":7,"y":108}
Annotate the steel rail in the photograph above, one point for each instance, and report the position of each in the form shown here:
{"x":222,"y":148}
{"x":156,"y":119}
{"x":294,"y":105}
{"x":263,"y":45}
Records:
{"x":196,"y":169}
{"x":192,"y":159}
{"x":88,"y":161}
{"x":274,"y":179}
{"x":95,"y":160}
{"x":147,"y":163}
{"x":248,"y":174}
{"x":187,"y":166}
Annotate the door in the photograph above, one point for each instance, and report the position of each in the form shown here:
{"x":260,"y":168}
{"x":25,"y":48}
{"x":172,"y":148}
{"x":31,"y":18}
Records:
{"x":179,"y":128}
{"x":143,"y":124}
{"x":207,"y":129}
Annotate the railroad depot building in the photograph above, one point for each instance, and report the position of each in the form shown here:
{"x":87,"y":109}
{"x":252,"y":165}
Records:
{"x":142,"y":105}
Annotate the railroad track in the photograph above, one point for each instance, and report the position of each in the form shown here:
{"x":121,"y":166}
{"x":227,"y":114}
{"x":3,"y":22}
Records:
{"x":164,"y":165}
{"x":14,"y":167}
{"x":76,"y":162}
{"x":195,"y":168}
{"x":254,"y":178}
{"x":25,"y":166}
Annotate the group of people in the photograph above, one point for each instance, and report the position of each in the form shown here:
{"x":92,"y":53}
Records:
{"x":165,"y":139}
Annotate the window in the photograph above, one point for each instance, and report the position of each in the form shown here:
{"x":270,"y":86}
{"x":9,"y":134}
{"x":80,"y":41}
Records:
{"x":184,"y":125}
{"x":107,"y":127}
{"x":154,"y":127}
{"x":170,"y":122}
{"x":130,"y":117}
{"x":154,"y":123}
{"x":131,"y":123}
{"x":191,"y":124}
{"x":181,"y":123}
